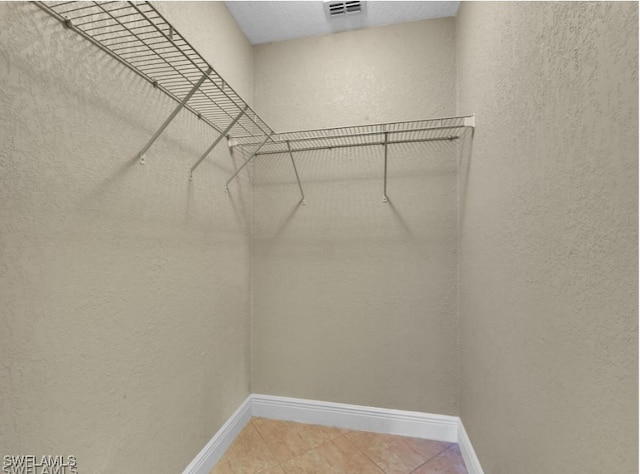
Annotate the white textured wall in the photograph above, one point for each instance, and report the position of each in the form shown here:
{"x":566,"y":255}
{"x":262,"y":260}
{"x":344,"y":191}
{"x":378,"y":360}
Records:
{"x":355,"y":300}
{"x":385,"y":74}
{"x":548,"y":268}
{"x":124,"y":289}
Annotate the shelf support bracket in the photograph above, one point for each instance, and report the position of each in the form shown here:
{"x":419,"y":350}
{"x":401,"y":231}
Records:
{"x":255,"y":152}
{"x":173,"y":115}
{"x":296,"y":171}
{"x":217,"y":140}
{"x":385,"y":198}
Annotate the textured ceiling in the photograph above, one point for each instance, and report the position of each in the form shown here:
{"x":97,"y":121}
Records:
{"x":269,"y":21}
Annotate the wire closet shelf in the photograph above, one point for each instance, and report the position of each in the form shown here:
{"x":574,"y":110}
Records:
{"x":140,"y":37}
{"x":438,"y":129}
{"x":382,"y":134}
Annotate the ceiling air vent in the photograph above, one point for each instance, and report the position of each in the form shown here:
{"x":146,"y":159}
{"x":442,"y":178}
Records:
{"x":337,"y":9}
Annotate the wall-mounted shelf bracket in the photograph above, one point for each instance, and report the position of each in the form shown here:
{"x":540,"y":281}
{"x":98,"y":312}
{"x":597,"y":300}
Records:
{"x":170,"y":118}
{"x":295,"y":169}
{"x":215,"y":143}
{"x":253,"y":154}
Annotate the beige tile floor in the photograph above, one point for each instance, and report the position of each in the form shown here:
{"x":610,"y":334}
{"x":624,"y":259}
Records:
{"x":278,"y":447}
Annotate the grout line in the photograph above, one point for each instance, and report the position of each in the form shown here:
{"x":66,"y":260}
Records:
{"x":419,"y":466}
{"x":362,"y":452}
{"x":266,"y":444}
{"x":255,"y":427}
{"x":311,"y":449}
{"x":330,"y":441}
{"x":432,"y":458}
{"x":439,"y":453}
{"x":344,"y":435}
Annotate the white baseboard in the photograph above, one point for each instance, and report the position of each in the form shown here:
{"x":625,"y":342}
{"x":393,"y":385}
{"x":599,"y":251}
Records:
{"x":355,"y":417}
{"x":468,"y":453}
{"x":339,"y":415}
{"x":216,"y":447}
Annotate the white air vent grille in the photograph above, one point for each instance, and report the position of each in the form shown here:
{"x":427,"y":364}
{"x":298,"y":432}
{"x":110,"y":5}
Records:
{"x":350,"y":7}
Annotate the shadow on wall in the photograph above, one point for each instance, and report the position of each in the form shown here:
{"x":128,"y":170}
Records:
{"x":332,"y":165}
{"x":344,"y":195}
{"x":465,"y":151}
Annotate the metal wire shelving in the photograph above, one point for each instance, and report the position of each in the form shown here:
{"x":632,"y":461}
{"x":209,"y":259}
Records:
{"x":140,"y":37}
{"x":449,"y":128}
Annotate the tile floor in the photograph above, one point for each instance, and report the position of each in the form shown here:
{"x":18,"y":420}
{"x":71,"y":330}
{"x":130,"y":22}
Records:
{"x":278,"y":447}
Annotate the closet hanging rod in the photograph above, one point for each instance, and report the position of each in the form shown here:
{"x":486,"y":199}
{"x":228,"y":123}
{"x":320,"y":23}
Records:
{"x":351,"y":145}
{"x":355,"y":135}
